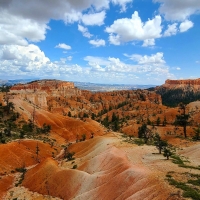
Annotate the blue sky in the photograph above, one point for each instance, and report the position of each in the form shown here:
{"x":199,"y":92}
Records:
{"x":107,"y":41}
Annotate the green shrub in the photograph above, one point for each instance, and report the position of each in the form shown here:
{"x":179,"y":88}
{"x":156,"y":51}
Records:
{"x":188,"y":191}
{"x":177,"y":160}
{"x":69,"y":155}
{"x":74,"y":167}
{"x":139,"y":141}
{"x":195,"y":182}
{"x":21,"y":169}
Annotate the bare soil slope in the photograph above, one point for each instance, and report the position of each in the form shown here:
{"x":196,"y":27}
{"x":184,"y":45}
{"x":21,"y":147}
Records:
{"x":22,"y":154}
{"x":106,"y":170}
{"x":64,"y":126}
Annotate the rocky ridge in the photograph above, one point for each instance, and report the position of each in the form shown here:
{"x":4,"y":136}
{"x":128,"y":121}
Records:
{"x":187,"y":84}
{"x":62,"y":97}
{"x":37,"y":92}
{"x":191,"y":82}
{"x":176,"y":91}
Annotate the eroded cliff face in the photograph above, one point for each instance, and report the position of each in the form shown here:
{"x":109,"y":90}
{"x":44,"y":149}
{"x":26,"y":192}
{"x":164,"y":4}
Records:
{"x":187,"y":83}
{"x":175,"y":91}
{"x":37,"y":92}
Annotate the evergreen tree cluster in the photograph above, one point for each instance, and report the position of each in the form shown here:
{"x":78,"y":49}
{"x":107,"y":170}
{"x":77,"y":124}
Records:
{"x":172,"y":97}
{"x":114,"y":123}
{"x":11,"y":127}
{"x":147,"y":135}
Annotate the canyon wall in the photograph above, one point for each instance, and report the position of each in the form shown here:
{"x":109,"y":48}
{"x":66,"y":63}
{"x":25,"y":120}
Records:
{"x":187,"y":83}
{"x":175,"y":91}
{"x":37,"y":92}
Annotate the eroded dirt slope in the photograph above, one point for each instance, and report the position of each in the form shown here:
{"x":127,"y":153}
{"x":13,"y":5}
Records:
{"x":107,"y":167}
{"x":66,"y":127}
{"x":106,"y":170}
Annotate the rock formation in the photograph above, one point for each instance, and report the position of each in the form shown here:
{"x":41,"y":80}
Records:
{"x":62,"y":97}
{"x":37,"y":92}
{"x":191,"y":82}
{"x":176,"y":91}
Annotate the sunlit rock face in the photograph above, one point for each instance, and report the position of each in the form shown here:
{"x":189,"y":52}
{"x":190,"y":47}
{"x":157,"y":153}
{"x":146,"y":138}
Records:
{"x":175,"y":91}
{"x":192,"y":83}
{"x":189,"y":85}
{"x":37,"y":92}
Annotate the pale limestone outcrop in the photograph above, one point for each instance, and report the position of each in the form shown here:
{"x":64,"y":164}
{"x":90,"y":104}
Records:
{"x":37,"y":92}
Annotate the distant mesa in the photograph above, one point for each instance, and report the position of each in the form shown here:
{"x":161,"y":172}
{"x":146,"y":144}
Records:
{"x":38,"y":92}
{"x":175,"y":91}
{"x":48,"y":86}
{"x":183,"y":82}
{"x":44,"y":85}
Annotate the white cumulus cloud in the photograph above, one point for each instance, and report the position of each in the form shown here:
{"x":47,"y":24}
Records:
{"x":126,"y":30}
{"x":29,"y":61}
{"x":84,"y":31}
{"x":22,"y":22}
{"x":155,"y":59}
{"x":186,"y":25}
{"x":114,"y":39}
{"x":171,"y":30}
{"x":63,"y":46}
{"x":94,"y":18}
{"x":97,"y":43}
{"x":122,"y":3}
{"x":23,"y":59}
{"x":154,"y":67}
{"x":19,"y":30}
{"x":149,"y":42}
{"x":178,"y":9}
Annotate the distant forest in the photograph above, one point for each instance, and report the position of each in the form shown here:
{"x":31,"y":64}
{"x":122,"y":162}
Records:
{"x":172,"y":97}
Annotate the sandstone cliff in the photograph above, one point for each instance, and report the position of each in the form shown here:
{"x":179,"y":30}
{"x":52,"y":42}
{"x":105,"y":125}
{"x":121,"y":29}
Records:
{"x":191,"y":82}
{"x":176,"y":91}
{"x":37,"y":92}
